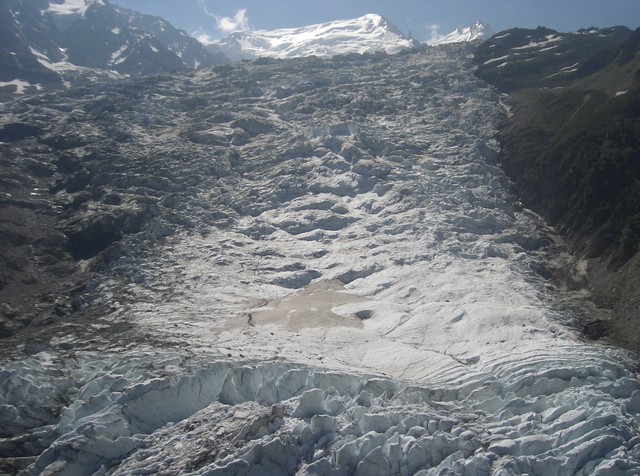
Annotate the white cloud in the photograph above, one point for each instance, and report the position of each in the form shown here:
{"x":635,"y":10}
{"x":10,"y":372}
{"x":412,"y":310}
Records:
{"x":240,"y":21}
{"x":224,"y":25}
{"x":203,"y":37}
{"x":434,"y":32}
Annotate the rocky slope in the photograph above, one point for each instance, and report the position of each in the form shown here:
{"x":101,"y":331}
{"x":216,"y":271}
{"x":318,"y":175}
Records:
{"x":46,"y":43}
{"x":309,"y":266}
{"x":572,"y":145}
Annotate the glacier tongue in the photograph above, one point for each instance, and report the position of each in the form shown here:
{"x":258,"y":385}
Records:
{"x":351,"y":291}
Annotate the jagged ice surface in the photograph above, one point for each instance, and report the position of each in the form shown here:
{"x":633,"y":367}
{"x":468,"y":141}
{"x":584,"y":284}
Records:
{"x":363,"y":299}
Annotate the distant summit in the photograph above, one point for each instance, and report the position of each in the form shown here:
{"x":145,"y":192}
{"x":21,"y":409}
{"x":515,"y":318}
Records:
{"x":368,"y":33}
{"x":477,"y":31}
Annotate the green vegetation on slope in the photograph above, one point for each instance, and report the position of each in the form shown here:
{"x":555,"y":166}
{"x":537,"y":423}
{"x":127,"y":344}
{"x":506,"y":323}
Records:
{"x":572,"y":146}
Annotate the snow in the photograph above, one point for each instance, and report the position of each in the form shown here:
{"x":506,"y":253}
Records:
{"x":477,"y":31}
{"x":71,"y":7}
{"x":115,"y":31}
{"x":59,"y":66}
{"x":573,"y":67}
{"x":116,"y":56}
{"x":566,"y":70}
{"x":592,"y":31}
{"x":537,"y":44}
{"x":20,"y":85}
{"x":364,"y":34}
{"x":495,"y":60}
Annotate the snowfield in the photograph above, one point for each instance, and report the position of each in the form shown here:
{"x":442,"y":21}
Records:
{"x":365,"y":34}
{"x":345,"y":286}
{"x":71,"y":7}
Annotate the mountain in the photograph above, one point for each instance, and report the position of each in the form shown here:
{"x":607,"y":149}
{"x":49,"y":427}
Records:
{"x":476,"y":32}
{"x":520,"y":58}
{"x":572,"y":148}
{"x":365,"y":34}
{"x":49,"y":42}
{"x":291,"y":267}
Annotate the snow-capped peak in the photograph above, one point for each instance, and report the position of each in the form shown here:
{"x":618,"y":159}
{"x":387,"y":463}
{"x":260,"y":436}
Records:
{"x":71,"y":7}
{"x":477,"y":31}
{"x":367,"y":33}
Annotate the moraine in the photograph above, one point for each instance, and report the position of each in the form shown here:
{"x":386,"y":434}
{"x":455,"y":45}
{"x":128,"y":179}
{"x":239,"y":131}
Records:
{"x":334,"y":280}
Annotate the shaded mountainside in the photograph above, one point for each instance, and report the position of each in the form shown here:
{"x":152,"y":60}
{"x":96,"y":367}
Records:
{"x":572,"y":146}
{"x":45,"y":43}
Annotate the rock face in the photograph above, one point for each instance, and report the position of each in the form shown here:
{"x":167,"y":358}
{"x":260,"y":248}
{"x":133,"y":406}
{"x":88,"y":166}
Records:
{"x":309,"y":266}
{"x":45,"y":43}
{"x":572,"y":145}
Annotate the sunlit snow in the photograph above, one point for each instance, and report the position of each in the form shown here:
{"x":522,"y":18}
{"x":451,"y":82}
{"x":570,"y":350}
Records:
{"x":20,"y":85}
{"x":477,"y":31}
{"x":364,"y":34}
{"x":71,"y":7}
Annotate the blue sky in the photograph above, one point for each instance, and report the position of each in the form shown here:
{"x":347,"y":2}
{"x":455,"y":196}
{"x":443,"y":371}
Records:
{"x":214,"y":18}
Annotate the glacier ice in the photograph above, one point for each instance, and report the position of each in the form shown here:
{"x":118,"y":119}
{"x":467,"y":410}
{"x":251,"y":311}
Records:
{"x":350,"y":290}
{"x":146,"y":412}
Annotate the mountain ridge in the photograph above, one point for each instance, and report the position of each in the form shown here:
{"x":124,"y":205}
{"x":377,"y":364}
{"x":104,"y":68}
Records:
{"x":365,"y":34}
{"x":478,"y":31}
{"x":55,"y":43}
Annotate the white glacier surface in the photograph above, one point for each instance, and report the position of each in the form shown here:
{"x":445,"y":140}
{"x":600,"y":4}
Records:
{"x":377,"y":304}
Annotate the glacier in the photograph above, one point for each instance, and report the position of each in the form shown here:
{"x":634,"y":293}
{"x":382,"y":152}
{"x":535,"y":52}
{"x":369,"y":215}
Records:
{"x":346,"y":285}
